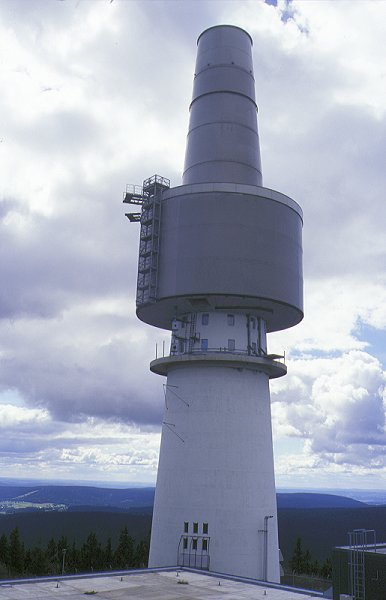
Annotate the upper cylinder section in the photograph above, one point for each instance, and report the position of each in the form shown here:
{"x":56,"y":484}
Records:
{"x":223,"y":141}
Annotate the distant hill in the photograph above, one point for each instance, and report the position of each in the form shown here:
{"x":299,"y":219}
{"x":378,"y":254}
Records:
{"x":58,"y":497}
{"x":22,"y":497}
{"x":315,"y":500}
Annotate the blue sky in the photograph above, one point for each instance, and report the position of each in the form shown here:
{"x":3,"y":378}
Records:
{"x":95,"y":95}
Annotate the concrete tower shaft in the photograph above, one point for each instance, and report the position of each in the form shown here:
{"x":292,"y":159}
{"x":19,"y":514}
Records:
{"x":215,"y":482}
{"x":220,"y":265}
{"x":223,"y":142}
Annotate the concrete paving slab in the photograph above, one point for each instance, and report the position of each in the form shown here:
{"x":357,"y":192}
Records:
{"x":161,"y":585}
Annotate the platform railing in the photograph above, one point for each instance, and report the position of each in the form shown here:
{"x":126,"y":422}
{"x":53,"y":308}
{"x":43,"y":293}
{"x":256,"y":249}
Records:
{"x":280,"y":358}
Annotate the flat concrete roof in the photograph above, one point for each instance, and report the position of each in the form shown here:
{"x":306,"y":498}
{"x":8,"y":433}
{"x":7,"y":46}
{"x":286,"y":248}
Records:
{"x":148,"y":585}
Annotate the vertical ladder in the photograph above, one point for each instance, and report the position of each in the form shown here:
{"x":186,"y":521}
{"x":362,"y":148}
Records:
{"x":149,"y":239}
{"x":358,"y":540}
{"x":192,"y":332}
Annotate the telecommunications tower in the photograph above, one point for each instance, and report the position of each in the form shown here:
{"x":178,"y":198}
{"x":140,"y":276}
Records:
{"x":220,"y":265}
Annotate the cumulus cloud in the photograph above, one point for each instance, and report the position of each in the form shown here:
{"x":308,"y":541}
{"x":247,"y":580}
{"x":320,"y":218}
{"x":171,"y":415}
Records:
{"x":32,"y":443}
{"x":13,"y":416}
{"x":337,"y":405}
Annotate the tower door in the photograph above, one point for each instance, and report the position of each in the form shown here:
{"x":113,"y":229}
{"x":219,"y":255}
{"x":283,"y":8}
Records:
{"x":193,"y":551}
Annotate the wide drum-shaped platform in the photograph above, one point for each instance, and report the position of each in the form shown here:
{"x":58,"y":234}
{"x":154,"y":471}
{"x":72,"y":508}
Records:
{"x":228,"y":246}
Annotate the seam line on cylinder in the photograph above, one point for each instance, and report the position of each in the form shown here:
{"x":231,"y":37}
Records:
{"x":224,"y":92}
{"x":222,"y":123}
{"x":223,"y":66}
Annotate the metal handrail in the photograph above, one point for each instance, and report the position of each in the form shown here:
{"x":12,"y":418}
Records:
{"x":133,"y":189}
{"x":239,"y":351}
{"x":223,"y":350}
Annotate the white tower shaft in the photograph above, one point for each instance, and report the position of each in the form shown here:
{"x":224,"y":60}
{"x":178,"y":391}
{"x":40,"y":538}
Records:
{"x":215,"y":504}
{"x":216,"y":461}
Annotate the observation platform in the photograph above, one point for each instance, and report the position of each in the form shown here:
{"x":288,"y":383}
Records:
{"x":269,"y":364}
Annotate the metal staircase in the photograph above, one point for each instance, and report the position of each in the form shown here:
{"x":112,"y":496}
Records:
{"x":149,"y":198}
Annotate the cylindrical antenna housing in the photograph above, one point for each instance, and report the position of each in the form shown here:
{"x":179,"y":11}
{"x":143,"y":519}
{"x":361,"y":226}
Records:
{"x":223,"y":141}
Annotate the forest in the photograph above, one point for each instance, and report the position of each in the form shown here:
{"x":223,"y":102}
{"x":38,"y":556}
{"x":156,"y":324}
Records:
{"x":61,"y":557}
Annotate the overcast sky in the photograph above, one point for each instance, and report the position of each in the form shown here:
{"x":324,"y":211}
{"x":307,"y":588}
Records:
{"x":95,"y":95}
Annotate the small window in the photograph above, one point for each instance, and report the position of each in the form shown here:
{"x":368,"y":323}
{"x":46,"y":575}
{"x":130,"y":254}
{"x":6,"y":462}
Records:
{"x":205,"y":319}
{"x":185,"y":544}
{"x":205,"y":545}
{"x":205,"y":528}
{"x":231,"y":319}
{"x":253,"y":347}
{"x":231,"y":345}
{"x":186,"y":527}
{"x":204,"y":344}
{"x":194,"y":544}
{"x":253,"y":323}
{"x":195,"y":527}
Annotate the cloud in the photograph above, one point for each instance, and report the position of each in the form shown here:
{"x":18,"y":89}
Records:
{"x":90,"y":361}
{"x":14,"y":416}
{"x":338,"y":406}
{"x":93,"y":449}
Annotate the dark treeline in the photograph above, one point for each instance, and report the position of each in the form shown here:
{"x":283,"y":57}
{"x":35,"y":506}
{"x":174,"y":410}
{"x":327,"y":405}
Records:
{"x":61,"y":556}
{"x":302,"y":563}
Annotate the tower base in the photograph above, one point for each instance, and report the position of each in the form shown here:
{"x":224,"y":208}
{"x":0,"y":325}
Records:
{"x":215,"y":502}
